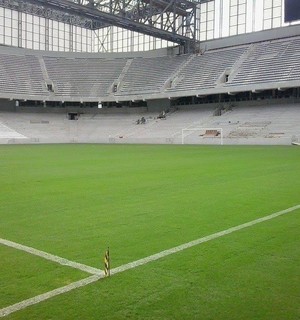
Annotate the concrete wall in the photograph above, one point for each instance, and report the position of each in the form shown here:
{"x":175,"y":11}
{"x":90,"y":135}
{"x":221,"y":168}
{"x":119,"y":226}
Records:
{"x":7,"y":105}
{"x":248,"y":103}
{"x":124,"y":110}
{"x":112,"y":55}
{"x":266,"y":35}
{"x":158,"y":105}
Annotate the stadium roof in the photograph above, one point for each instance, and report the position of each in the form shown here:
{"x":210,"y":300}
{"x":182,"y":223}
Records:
{"x":172,"y":20}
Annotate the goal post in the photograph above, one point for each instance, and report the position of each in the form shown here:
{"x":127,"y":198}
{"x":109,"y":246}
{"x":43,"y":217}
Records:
{"x":213,"y":133}
{"x":295,"y":140}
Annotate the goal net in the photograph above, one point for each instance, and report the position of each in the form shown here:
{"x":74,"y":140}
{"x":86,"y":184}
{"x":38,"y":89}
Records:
{"x":202,"y":136}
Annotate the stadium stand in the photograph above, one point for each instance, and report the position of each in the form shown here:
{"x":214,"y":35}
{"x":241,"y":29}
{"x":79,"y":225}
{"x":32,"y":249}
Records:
{"x":149,"y":74}
{"x":265,"y":65}
{"x":83,"y":77}
{"x":21,"y":74}
{"x":275,"y":124}
{"x":56,"y":87}
{"x":275,"y":61}
{"x":205,"y":69}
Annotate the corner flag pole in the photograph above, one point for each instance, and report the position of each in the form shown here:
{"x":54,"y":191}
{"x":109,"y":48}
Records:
{"x":107,"y":263}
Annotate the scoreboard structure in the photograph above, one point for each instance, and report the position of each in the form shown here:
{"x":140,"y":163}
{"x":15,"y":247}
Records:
{"x":292,"y":10}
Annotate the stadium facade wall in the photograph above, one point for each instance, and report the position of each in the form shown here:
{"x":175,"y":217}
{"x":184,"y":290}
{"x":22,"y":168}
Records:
{"x":266,"y":35}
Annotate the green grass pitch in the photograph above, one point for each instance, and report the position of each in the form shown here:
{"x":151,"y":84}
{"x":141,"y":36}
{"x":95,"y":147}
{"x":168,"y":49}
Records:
{"x":75,"y":200}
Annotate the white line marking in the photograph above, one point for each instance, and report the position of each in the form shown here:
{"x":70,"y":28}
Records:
{"x":24,"y":304}
{"x":45,"y":296}
{"x":51,"y":257}
{"x":193,"y":243}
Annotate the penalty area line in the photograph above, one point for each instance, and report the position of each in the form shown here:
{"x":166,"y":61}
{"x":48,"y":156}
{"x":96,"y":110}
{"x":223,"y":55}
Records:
{"x":81,"y":283}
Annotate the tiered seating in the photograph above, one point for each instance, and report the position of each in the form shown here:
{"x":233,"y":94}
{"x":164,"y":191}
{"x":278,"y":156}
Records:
{"x":266,"y":124}
{"x":21,"y":74}
{"x":293,"y":58}
{"x":276,"y":61}
{"x":24,"y":74}
{"x":83,"y":77}
{"x":204,"y":71}
{"x":149,"y":74}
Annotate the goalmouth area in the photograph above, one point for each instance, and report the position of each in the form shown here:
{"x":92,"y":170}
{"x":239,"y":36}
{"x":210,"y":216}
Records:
{"x":211,"y":235}
{"x":211,"y":134}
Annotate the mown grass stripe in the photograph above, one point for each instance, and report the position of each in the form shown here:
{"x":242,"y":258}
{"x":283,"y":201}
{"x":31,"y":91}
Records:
{"x":26,"y":303}
{"x":45,"y":296}
{"x":193,"y":243}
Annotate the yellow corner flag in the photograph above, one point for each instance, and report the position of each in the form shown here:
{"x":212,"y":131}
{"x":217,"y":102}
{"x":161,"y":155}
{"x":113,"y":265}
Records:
{"x":107,"y":263}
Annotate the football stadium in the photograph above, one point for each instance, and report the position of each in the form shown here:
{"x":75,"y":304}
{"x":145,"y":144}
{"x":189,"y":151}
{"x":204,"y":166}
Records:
{"x":149,"y":159}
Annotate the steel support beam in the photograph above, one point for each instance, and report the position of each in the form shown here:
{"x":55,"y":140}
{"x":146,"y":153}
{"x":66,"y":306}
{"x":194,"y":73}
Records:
{"x":172,"y":20}
{"x":42,"y":10}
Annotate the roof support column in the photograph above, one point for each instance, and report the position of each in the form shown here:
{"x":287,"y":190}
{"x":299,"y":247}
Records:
{"x":47,"y":46}
{"x":20,"y":28}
